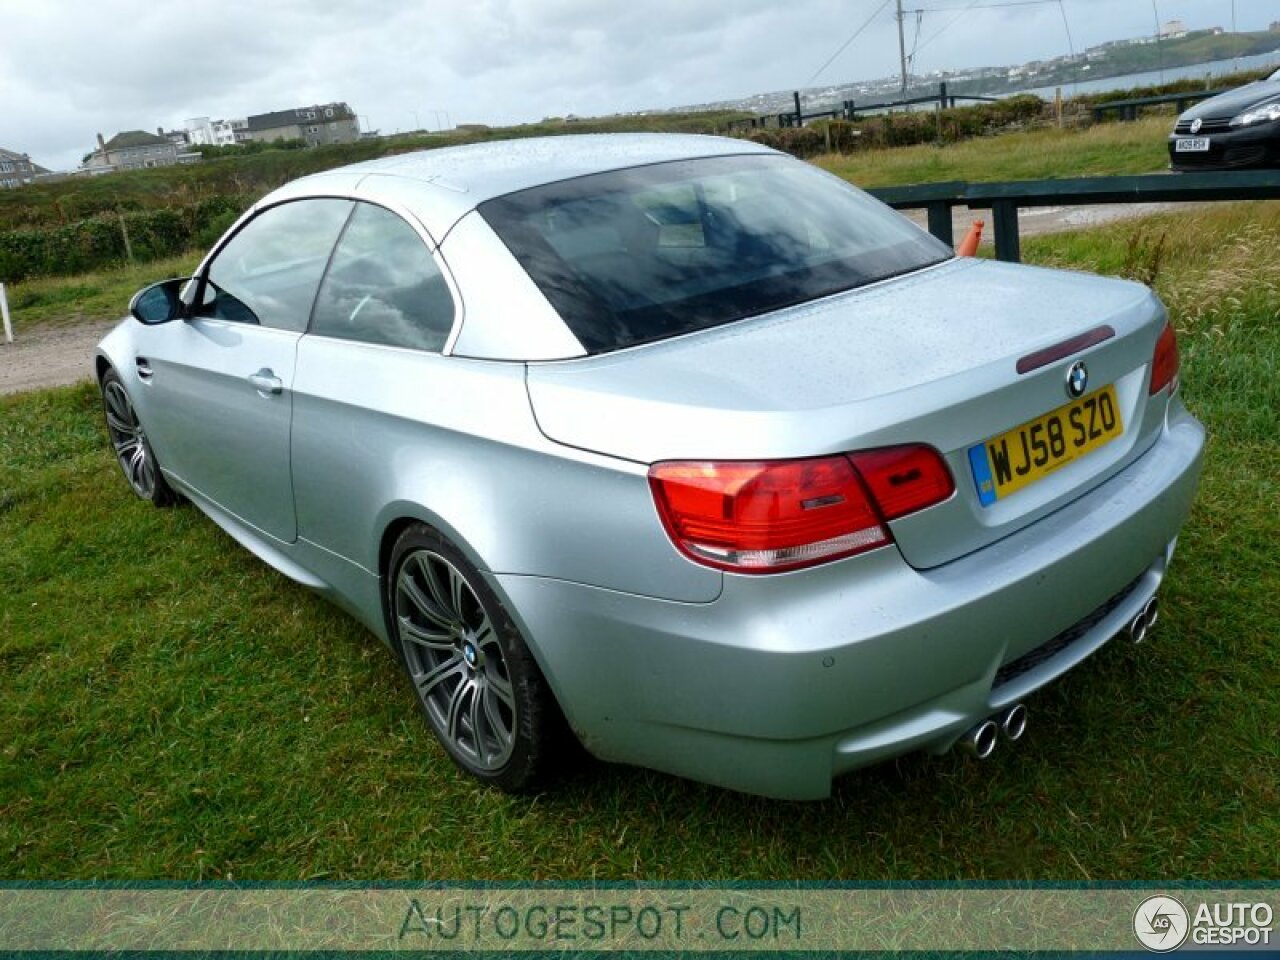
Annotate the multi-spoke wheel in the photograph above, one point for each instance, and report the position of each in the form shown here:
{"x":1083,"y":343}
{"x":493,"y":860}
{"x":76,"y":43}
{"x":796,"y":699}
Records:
{"x":130,"y":443}
{"x":475,"y":679}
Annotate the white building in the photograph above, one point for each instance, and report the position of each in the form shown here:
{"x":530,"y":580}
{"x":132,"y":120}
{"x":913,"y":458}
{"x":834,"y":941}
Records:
{"x":214,"y":133}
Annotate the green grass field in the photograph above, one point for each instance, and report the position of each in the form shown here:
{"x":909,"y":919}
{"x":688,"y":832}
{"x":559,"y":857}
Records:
{"x":173,"y":708}
{"x":1105,"y":149}
{"x":62,"y":301}
{"x":255,"y":174}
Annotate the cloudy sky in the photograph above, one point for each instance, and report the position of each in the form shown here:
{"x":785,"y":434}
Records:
{"x":72,"y":68}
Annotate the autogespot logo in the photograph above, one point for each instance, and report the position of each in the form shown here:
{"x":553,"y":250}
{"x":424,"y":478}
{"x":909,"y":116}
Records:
{"x":1161,"y":924}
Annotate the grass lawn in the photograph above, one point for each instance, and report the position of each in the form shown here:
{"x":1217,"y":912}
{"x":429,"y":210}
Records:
{"x":62,"y":301}
{"x":1101,"y":150}
{"x":173,"y":708}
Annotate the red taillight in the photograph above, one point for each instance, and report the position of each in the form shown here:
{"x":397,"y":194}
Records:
{"x":770,"y":516}
{"x":903,"y":480}
{"x":1164,"y":364}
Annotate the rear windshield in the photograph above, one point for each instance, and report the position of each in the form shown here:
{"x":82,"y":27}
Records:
{"x":637,"y":255}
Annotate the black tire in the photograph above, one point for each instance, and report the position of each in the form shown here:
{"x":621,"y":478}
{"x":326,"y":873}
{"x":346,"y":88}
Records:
{"x":132,"y":449}
{"x":473,"y":677}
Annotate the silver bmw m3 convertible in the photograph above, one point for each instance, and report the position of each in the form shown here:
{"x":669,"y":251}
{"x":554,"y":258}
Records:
{"x":674,"y":444}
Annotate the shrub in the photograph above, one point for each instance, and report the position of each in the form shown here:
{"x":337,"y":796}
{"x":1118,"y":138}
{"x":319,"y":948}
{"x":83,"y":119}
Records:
{"x":904,"y":129}
{"x":1183,"y":85}
{"x":799,"y":141}
{"x":99,"y":241}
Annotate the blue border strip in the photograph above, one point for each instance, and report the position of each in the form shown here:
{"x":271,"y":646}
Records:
{"x":981,"y":466}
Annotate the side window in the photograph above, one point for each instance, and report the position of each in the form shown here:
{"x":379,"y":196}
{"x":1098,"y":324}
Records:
{"x":269,"y":272}
{"x":383,"y":286}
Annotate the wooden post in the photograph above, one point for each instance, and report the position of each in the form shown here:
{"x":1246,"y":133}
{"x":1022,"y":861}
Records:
{"x":1057,"y":105}
{"x":4,"y":312}
{"x":799,"y":115}
{"x":124,"y":232}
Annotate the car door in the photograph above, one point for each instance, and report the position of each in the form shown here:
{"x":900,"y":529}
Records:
{"x":370,"y":378}
{"x":220,"y":417}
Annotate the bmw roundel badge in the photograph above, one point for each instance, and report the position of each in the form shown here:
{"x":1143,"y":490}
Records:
{"x":1077,"y":379}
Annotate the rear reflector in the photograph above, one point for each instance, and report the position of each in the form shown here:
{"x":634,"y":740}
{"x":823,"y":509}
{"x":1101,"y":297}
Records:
{"x":771,"y":516}
{"x":1164,"y":364}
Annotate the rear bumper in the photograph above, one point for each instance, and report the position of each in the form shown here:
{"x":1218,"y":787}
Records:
{"x":786,"y":681}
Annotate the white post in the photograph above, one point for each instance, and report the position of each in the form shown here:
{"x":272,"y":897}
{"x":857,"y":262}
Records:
{"x":4,"y":312}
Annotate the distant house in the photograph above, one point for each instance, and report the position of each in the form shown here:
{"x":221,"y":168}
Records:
{"x":1173,"y":30}
{"x":328,"y":123}
{"x":217,"y":133}
{"x":1275,"y":26}
{"x":17,"y":169}
{"x":136,"y":150}
{"x":178,"y":138}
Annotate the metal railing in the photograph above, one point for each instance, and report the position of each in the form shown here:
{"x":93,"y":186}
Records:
{"x":849,"y":109}
{"x":1004,"y":199}
{"x":1129,"y":109}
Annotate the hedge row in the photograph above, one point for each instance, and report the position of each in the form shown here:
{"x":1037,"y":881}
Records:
{"x":111,"y":239}
{"x":903,"y":129}
{"x":1184,"y":85}
{"x":257,"y":172}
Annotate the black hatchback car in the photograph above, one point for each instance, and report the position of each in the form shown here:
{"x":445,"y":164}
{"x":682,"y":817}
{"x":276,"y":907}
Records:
{"x":1239,"y":128}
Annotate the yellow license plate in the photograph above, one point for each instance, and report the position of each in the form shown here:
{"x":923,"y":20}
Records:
{"x":1013,"y":460}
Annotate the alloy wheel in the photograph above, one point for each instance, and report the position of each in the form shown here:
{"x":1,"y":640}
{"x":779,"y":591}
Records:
{"x":455,"y":660}
{"x":129,"y":440}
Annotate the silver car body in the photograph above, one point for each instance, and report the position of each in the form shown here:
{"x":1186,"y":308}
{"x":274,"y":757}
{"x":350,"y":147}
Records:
{"x":533,"y":459}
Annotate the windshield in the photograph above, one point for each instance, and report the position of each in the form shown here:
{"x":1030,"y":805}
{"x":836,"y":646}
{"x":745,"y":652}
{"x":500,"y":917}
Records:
{"x":637,"y":255}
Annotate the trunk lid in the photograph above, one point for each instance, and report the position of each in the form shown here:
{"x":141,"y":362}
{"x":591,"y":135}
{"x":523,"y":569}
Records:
{"x":927,"y":358}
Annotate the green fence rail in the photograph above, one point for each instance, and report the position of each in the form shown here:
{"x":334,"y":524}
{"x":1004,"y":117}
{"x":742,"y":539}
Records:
{"x":1004,"y":199}
{"x":1128,"y":109}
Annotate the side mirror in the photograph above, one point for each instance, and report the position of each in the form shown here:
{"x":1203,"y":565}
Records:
{"x":160,"y":302}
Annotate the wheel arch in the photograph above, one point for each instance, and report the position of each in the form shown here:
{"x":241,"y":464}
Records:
{"x":395,"y":520}
{"x":399,"y":518}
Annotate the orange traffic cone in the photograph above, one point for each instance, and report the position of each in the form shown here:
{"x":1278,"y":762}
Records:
{"x":969,"y":245}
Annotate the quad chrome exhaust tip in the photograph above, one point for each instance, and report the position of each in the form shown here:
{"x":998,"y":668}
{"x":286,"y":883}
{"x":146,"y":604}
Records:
{"x":980,"y":739}
{"x":1141,"y":625}
{"x":1013,"y":722}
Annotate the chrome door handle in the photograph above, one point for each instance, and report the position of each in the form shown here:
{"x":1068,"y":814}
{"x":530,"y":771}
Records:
{"x":266,"y":382}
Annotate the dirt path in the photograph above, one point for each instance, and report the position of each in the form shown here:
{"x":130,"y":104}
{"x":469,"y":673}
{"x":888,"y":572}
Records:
{"x":57,"y":355}
{"x":50,"y":356}
{"x":1036,"y":221}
